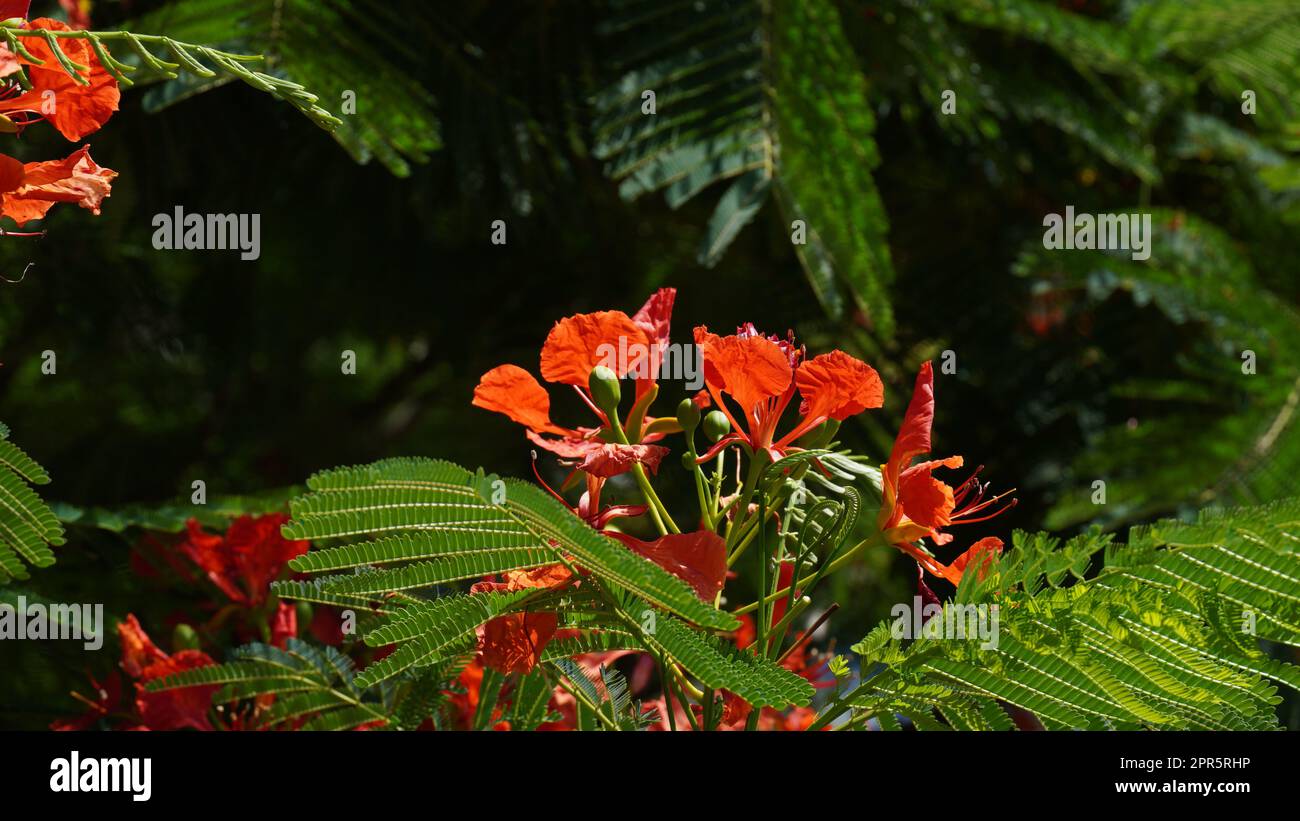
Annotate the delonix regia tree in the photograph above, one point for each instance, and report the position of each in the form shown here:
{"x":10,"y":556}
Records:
{"x":681,"y":555}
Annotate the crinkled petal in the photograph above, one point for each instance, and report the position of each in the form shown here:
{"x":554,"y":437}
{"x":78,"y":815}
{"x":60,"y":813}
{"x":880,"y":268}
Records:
{"x":581,"y":342}
{"x":74,"y":108}
{"x":77,"y":178}
{"x":612,"y":459}
{"x":655,"y":318}
{"x":925,"y":500}
{"x":750,"y":369}
{"x":838,"y":386}
{"x":569,"y":447}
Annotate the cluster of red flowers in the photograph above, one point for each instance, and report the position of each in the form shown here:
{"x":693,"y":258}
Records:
{"x":75,"y":107}
{"x":751,"y":379}
{"x":241,"y":564}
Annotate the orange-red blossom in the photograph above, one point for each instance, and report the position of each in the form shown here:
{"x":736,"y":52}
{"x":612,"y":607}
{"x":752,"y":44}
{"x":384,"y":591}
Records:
{"x":915,"y":505}
{"x":75,"y":107}
{"x":760,"y":374}
{"x":573,"y":348}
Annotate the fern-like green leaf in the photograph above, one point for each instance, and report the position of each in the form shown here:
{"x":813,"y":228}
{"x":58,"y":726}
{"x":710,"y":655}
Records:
{"x":757,"y":94}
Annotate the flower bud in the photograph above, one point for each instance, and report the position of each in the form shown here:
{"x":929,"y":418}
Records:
{"x":605,"y":392}
{"x":184,"y":638}
{"x":716,"y":425}
{"x":304,"y":614}
{"x":688,"y":415}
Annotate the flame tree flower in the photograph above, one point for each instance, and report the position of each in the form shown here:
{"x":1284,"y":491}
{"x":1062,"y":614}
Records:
{"x":760,"y":374}
{"x":76,"y":107}
{"x":916,"y":505}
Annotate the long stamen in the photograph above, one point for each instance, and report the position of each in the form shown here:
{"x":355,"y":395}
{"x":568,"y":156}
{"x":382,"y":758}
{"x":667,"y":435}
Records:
{"x":542,"y":482}
{"x":965,"y":487}
{"x":964,"y":514}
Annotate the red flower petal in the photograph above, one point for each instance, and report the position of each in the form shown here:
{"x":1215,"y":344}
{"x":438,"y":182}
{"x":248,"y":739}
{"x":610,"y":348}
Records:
{"x":914,"y":436}
{"x":610,"y":460}
{"x":75,"y":178}
{"x":11,"y":173}
{"x":284,"y":624}
{"x":699,"y":558}
{"x":581,"y":342}
{"x":750,"y":368}
{"x":247,"y":559}
{"x":838,"y":386}
{"x":513,"y":643}
{"x":655,"y":318}
{"x":75,"y":109}
{"x":511,"y":390}
{"x":138,"y":650}
{"x":984,"y":552}
{"x":572,"y":446}
{"x":924,"y":500}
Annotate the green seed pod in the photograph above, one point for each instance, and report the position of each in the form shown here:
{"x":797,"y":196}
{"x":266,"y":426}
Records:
{"x":688,"y":461}
{"x":688,"y":415}
{"x":605,"y":392}
{"x":184,"y":638}
{"x":716,"y":425}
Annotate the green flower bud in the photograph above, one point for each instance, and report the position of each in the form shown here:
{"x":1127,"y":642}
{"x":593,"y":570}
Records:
{"x":605,"y":392}
{"x":184,"y":638}
{"x":305,"y":614}
{"x":688,"y":415}
{"x":688,"y":461}
{"x":716,"y":425}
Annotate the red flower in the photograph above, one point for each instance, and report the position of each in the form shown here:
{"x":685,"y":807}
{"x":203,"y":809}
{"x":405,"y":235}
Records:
{"x":28,"y":191}
{"x":914,"y":504}
{"x":74,"y":108}
{"x":574,"y":346}
{"x":761,"y":373}
{"x":245,"y":561}
{"x":169,"y":709}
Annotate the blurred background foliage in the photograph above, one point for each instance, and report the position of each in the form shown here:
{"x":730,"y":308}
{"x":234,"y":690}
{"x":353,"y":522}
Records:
{"x":924,"y":235}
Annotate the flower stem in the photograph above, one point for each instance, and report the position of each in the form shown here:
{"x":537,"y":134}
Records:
{"x":658,"y":511}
